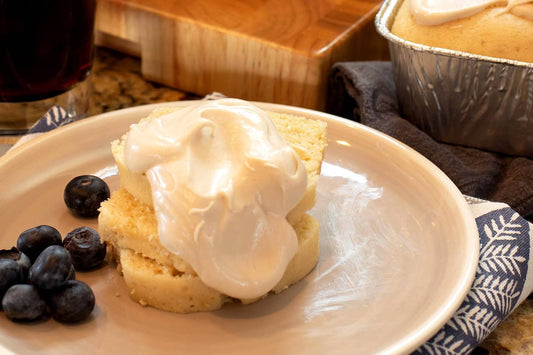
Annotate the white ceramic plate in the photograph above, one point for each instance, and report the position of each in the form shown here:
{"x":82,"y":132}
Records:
{"x":399,"y":250}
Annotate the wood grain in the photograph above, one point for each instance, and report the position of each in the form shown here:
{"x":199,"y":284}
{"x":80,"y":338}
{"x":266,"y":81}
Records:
{"x":264,"y":50}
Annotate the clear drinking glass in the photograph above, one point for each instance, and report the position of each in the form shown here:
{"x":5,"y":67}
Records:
{"x":46,"y":52}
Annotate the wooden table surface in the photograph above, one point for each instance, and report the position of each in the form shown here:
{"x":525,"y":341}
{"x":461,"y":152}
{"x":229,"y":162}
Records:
{"x":118,"y":84}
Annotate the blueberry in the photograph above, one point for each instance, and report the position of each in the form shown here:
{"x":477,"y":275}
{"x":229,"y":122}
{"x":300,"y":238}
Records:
{"x":84,"y":193}
{"x":11,"y":273}
{"x":19,"y":257}
{"x":34,"y":240}
{"x":85,"y":248}
{"x":71,"y":303}
{"x":23,"y":302}
{"x":51,"y":269}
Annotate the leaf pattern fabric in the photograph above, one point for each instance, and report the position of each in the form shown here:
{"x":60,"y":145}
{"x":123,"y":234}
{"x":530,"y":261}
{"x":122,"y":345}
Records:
{"x":498,"y":285}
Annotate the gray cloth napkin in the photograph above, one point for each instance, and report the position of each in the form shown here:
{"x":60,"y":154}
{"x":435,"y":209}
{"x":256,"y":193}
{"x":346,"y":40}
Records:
{"x":365,"y":92}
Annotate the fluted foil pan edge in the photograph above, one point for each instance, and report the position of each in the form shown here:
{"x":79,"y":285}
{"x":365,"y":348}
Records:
{"x":461,"y":98}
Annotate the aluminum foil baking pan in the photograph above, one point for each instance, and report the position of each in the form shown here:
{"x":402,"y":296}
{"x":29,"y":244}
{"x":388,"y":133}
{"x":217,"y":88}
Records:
{"x":461,"y":98}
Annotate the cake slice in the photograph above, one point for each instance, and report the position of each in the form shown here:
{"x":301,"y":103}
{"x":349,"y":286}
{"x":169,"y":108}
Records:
{"x":164,"y":280}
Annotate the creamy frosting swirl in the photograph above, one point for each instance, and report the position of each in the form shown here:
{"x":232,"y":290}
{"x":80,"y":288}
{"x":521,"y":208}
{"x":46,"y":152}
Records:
{"x":436,"y":12}
{"x":223,"y":181}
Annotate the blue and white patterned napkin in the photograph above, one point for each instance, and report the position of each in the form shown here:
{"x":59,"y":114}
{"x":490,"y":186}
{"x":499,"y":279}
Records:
{"x":55,"y":117}
{"x":501,"y":283}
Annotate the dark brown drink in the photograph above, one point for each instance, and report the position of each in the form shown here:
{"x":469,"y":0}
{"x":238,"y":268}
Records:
{"x":46,"y":47}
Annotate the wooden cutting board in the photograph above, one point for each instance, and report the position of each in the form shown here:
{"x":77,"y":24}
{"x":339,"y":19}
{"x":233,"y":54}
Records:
{"x":263,"y":50}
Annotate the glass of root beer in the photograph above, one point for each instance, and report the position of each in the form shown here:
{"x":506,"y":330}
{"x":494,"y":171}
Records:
{"x":46,"y":52}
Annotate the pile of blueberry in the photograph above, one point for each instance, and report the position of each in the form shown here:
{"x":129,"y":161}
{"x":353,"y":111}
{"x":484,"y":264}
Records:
{"x":38,"y":276}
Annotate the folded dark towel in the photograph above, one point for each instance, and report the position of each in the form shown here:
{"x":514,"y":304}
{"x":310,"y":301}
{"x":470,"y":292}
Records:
{"x":365,"y":92}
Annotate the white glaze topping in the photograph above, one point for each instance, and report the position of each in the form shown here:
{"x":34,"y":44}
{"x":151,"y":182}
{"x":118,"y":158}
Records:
{"x":223,"y":181}
{"x":436,"y":12}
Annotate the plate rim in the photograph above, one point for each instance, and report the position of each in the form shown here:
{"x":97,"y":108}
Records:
{"x":425,"y":330}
